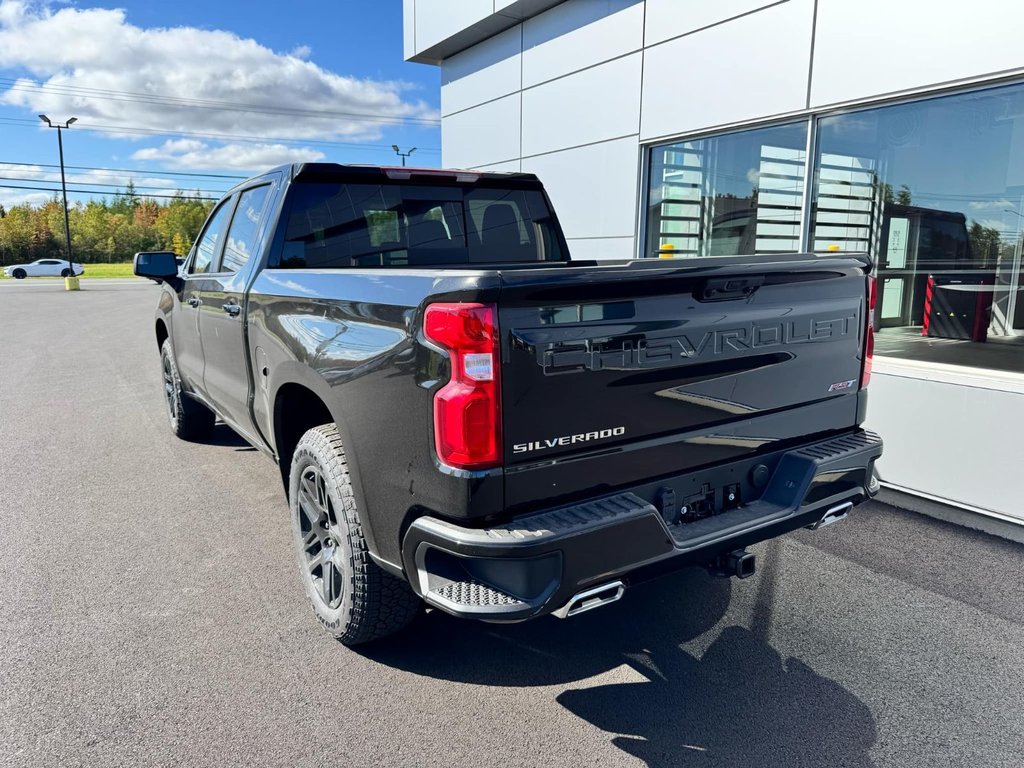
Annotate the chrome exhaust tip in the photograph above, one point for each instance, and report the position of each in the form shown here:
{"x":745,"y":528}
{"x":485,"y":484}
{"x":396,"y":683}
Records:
{"x":833,"y":515}
{"x":590,"y":599}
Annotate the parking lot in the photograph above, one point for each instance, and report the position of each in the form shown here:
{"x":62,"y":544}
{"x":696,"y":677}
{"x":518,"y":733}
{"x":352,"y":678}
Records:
{"x":151,"y":614}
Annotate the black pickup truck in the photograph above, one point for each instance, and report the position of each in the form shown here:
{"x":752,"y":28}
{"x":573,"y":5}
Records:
{"x":465,"y":417}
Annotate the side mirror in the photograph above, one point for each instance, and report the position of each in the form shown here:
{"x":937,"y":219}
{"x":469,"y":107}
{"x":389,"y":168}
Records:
{"x":156,"y":265}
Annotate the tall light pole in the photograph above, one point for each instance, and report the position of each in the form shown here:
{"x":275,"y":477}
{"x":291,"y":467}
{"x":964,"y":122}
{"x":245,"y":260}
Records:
{"x":71,"y":285}
{"x":402,"y":155}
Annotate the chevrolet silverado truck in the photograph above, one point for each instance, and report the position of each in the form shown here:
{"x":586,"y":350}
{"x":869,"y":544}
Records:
{"x":466,"y":418}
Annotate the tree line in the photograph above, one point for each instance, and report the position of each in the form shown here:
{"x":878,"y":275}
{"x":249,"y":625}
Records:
{"x":102,"y":230}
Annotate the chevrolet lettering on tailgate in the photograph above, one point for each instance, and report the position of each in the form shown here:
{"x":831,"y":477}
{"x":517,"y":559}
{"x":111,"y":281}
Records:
{"x":668,"y":351}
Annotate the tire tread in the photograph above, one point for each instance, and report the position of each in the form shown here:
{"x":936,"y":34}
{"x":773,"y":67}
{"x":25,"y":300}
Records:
{"x":381,"y":604}
{"x":195,"y":420}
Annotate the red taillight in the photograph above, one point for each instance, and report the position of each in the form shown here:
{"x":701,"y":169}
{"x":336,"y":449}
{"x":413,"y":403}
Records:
{"x":467,"y":410}
{"x":869,"y":332}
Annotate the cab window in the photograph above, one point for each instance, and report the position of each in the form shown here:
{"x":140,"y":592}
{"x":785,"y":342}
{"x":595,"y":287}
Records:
{"x":245,"y":225}
{"x":209,"y":243}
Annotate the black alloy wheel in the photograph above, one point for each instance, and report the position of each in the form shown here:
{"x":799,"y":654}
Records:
{"x":321,"y":540}
{"x":188,"y":419}
{"x":352,"y":596}
{"x":172,"y":397}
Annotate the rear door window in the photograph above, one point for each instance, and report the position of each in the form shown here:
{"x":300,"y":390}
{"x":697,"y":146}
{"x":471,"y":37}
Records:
{"x":209,"y":244}
{"x":245,"y":226}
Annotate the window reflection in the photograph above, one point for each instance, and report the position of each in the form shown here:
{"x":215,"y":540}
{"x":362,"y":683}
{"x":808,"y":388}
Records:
{"x":934,"y":190}
{"x":207,"y":247}
{"x":740,"y":193}
{"x":244,"y":228}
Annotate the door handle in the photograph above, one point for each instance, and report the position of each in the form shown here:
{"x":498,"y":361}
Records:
{"x":232,"y":309}
{"x":193,"y":301}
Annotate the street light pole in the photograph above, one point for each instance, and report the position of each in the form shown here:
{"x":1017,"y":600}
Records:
{"x":64,"y":191}
{"x":402,"y":155}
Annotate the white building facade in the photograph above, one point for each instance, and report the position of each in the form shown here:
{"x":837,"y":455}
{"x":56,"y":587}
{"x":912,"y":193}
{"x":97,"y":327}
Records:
{"x":689,"y":128}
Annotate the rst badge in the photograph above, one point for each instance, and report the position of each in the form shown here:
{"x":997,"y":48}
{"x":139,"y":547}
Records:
{"x":839,"y":386}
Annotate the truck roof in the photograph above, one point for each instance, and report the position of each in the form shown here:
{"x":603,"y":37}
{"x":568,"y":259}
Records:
{"x":294,"y":170}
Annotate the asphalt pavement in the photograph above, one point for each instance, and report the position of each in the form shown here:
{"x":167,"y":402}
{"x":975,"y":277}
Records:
{"x":151,"y":615}
{"x":56,"y":284}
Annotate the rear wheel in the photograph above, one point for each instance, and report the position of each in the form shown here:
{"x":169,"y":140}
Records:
{"x":354,"y":599}
{"x":19,"y":274}
{"x":188,"y":419}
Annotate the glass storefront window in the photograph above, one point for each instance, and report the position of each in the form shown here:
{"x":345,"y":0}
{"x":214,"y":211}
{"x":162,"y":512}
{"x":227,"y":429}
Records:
{"x":739,"y":193}
{"x":934,"y":190}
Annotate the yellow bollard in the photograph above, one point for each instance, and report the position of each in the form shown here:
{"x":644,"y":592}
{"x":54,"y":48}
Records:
{"x":71,"y":284}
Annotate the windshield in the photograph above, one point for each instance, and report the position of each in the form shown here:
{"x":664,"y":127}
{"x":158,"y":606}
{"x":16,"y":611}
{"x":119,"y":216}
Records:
{"x":331,"y":225}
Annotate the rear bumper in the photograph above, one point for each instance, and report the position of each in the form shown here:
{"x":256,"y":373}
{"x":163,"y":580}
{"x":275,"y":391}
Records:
{"x":535,"y":564}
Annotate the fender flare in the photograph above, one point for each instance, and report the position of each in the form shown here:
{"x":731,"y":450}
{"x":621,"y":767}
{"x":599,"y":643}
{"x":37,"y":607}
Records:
{"x":294,"y":372}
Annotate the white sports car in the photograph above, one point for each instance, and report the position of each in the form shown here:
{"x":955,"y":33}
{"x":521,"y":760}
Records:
{"x":42,"y":268}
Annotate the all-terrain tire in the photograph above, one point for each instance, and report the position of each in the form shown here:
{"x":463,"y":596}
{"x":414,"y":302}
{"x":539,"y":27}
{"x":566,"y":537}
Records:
{"x":352,"y":597}
{"x":188,"y":419}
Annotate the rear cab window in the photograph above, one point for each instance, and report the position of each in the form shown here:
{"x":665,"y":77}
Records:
{"x":415,"y":223}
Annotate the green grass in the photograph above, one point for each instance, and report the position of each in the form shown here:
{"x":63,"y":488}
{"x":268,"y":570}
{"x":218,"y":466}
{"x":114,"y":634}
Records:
{"x":120,"y":269}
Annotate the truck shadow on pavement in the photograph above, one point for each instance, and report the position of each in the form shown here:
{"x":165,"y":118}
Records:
{"x":739,"y":703}
{"x":225,"y":437}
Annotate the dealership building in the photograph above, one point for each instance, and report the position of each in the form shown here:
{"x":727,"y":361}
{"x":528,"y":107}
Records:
{"x":689,"y":129}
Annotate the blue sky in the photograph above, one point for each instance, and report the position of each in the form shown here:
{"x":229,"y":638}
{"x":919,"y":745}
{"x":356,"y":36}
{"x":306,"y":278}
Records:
{"x":182,"y":87}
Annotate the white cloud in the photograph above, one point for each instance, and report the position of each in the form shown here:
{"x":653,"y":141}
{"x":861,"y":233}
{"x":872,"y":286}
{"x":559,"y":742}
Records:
{"x":12,"y":197}
{"x":107,"y":182}
{"x":997,"y":224}
{"x":188,"y":153}
{"x":68,"y":49}
{"x":991,"y":205}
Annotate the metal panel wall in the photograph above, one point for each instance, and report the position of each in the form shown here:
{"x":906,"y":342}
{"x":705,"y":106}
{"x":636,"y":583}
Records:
{"x":482,"y":135}
{"x":592,"y":188}
{"x":578,"y":34}
{"x":752,"y":66}
{"x":437,"y":20}
{"x":594,"y":104}
{"x":667,"y":19}
{"x":483,"y":72}
{"x":955,"y":440}
{"x":874,"y":47}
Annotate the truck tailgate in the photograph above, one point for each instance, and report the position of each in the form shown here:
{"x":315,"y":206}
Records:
{"x":678,"y":365}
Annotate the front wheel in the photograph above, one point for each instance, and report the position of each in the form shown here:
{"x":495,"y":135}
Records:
{"x":65,"y":272}
{"x":188,"y":419}
{"x":19,"y":274}
{"x":352,"y":597}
